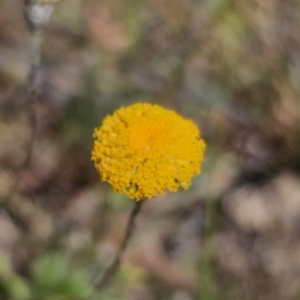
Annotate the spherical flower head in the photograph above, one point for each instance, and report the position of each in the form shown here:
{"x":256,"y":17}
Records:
{"x":143,"y":150}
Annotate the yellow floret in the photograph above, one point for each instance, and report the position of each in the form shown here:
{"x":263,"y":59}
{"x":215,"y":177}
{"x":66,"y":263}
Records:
{"x":143,"y":150}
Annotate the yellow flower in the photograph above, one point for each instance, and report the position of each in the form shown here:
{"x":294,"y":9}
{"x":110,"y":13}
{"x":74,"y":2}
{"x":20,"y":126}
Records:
{"x":143,"y":150}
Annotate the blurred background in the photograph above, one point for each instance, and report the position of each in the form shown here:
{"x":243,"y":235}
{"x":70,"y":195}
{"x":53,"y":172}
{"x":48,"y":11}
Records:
{"x":231,"y":66}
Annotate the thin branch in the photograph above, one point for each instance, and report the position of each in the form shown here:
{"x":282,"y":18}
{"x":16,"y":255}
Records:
{"x":32,"y":86}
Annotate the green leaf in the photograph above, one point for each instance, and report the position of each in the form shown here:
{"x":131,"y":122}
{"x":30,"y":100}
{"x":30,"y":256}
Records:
{"x":51,"y":270}
{"x":18,"y":289}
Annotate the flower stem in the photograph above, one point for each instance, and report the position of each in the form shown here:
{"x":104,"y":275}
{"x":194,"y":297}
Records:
{"x":110,"y":271}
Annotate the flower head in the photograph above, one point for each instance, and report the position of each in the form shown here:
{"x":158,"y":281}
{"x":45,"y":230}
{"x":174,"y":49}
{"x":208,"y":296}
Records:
{"x":143,"y":150}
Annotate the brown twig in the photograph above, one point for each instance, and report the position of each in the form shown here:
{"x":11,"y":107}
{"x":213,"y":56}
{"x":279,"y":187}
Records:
{"x":36,"y":31}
